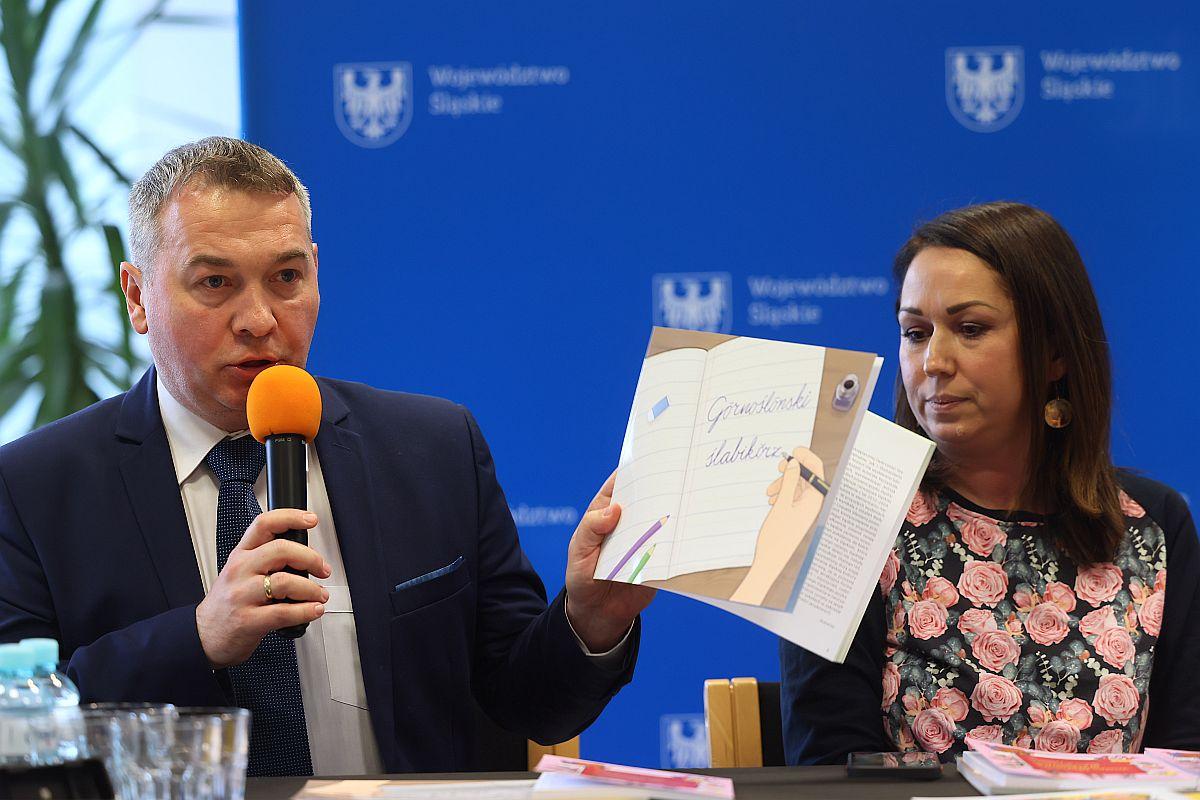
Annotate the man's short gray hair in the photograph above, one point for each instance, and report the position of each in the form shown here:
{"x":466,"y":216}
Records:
{"x":216,"y":162}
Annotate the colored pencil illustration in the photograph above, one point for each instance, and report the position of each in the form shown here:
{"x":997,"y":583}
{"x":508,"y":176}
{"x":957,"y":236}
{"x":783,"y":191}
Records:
{"x":645,"y":537}
{"x":641,"y":564}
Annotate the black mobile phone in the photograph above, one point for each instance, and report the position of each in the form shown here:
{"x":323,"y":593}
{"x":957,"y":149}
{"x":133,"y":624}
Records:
{"x":915,"y":766}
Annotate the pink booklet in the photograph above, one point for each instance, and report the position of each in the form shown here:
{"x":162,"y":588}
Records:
{"x":655,"y":782}
{"x":1185,"y":760}
{"x":1019,"y":768}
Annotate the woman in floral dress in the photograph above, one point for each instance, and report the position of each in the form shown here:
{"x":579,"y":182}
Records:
{"x":1026,"y":600}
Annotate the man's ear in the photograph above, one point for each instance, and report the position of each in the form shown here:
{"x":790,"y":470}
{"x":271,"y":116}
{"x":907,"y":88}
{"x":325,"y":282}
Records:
{"x":314,"y":244}
{"x":132,"y":282}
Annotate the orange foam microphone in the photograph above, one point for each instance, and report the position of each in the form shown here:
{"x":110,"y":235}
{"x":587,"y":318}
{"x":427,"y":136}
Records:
{"x":284,"y":412}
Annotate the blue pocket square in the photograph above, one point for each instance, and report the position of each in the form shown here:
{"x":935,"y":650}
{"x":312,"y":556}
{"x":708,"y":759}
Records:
{"x":428,"y":576}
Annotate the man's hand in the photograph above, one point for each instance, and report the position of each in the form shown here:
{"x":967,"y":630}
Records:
{"x":237,"y":614}
{"x":600,"y":611}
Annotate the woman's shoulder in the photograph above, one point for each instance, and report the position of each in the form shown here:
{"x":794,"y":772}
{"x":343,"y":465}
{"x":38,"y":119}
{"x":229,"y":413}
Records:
{"x":1150,"y":498}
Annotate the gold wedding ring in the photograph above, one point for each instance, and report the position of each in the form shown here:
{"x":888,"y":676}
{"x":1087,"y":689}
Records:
{"x":267,"y":587}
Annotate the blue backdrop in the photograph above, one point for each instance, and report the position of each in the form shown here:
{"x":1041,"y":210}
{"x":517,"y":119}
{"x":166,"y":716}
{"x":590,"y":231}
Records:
{"x":501,"y":193}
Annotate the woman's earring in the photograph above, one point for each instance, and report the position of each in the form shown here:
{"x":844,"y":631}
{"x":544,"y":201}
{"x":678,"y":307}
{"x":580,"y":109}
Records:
{"x":1058,"y":412}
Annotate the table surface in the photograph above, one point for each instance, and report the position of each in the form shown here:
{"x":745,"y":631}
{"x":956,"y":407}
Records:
{"x":764,"y":783}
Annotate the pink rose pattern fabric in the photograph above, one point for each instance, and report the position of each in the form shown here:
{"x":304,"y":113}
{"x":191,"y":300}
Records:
{"x":995,"y":634}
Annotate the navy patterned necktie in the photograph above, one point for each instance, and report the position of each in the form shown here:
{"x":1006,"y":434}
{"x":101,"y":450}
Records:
{"x":268,"y":683}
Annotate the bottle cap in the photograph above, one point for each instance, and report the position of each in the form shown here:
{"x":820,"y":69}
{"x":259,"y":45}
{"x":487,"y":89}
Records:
{"x":42,"y":652}
{"x":13,"y":658}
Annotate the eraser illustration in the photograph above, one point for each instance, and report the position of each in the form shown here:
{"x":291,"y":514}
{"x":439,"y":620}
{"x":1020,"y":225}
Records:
{"x":845,"y":393}
{"x":656,"y":411}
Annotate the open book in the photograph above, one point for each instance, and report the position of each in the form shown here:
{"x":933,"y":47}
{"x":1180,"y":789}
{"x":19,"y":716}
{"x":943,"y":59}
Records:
{"x":753,"y":478}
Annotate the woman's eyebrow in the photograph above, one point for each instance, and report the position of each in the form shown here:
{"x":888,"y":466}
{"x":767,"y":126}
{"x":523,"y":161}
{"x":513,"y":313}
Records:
{"x":957,"y":307}
{"x":954,"y":309}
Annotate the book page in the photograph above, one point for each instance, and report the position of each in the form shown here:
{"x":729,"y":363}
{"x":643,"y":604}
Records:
{"x":653,"y":466}
{"x":786,"y":578}
{"x":771,"y":421}
{"x":362,"y":789}
{"x":875,"y":494}
{"x":757,"y":404}
{"x":877,"y":485}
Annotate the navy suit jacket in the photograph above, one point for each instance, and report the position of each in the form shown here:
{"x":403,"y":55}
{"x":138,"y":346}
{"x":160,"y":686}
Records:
{"x":95,"y":552}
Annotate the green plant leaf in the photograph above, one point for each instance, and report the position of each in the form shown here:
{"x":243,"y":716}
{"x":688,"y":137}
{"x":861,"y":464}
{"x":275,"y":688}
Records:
{"x":75,"y":53}
{"x":10,"y":393}
{"x":61,"y":168}
{"x":10,"y":144}
{"x":55,"y":370}
{"x":8,"y":302}
{"x":100,"y":154}
{"x":7,"y":207}
{"x":39,"y":26}
{"x":49,"y":353}
{"x":112,"y":53}
{"x":110,"y":365}
{"x":59,"y":350}
{"x":12,"y":356}
{"x":13,"y":382}
{"x":82,"y":395}
{"x":215,"y":20}
{"x":78,"y":395}
{"x":151,"y":16}
{"x":15,"y":27}
{"x":116,"y":254}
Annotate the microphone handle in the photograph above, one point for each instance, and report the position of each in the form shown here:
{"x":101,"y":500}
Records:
{"x":287,"y":487}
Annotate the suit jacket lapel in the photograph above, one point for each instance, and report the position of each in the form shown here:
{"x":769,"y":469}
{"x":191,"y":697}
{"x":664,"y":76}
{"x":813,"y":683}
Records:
{"x":149,"y":476}
{"x":348,"y":483}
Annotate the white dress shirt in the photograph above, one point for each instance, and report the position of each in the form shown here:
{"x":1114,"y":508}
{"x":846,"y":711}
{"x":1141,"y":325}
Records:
{"x":331,"y":684}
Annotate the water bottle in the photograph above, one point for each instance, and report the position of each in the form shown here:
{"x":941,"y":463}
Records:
{"x":64,"y":737}
{"x":20,"y":707}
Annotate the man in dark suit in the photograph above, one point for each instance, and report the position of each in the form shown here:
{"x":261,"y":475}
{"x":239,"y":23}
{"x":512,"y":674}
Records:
{"x":132,"y":531}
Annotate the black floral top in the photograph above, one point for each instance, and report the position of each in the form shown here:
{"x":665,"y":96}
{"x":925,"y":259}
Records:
{"x":993,"y":634}
{"x":983,"y":628}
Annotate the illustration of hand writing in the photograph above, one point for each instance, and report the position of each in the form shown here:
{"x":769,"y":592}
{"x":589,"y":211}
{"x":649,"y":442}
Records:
{"x":795,"y":506}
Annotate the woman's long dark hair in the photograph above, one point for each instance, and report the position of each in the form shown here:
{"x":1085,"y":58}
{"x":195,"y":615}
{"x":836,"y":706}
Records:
{"x":1070,"y":470}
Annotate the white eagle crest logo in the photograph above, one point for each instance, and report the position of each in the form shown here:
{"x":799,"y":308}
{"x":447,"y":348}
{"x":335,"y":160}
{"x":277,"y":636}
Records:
{"x":985,"y":86}
{"x":373,"y":102}
{"x":683,"y":741}
{"x":699,"y":301}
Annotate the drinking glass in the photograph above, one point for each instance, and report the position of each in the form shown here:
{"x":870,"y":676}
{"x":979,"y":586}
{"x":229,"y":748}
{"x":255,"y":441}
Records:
{"x":160,"y":752}
{"x":210,"y":753}
{"x":115,"y":735}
